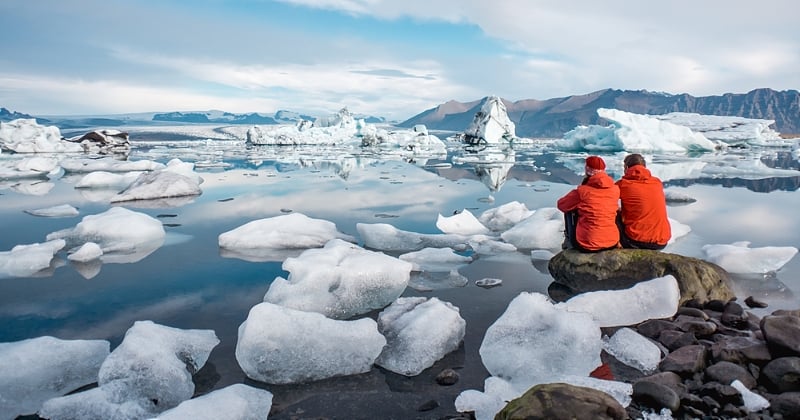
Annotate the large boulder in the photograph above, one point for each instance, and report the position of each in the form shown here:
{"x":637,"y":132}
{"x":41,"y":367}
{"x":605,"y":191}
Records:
{"x":562,"y":401}
{"x":577,"y":272}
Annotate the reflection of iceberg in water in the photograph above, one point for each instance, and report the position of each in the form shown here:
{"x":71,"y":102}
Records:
{"x":491,"y":168}
{"x":260,"y":254}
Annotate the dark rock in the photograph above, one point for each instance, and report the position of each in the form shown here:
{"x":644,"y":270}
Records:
{"x":740,"y":350}
{"x":694,"y":325}
{"x":711,"y":404}
{"x":724,"y":394}
{"x":753,"y":303}
{"x":668,"y":379}
{"x":428,"y":405}
{"x":794,"y":312}
{"x":685,"y":360}
{"x":786,"y":404}
{"x":674,"y":340}
{"x":447,"y":377}
{"x":693,"y":303}
{"x":655,"y":395}
{"x":562,"y":401}
{"x":733,"y":308}
{"x":731,"y":411}
{"x":623,"y":268}
{"x":716,"y":305}
{"x":782,"y":374}
{"x":782,"y":333}
{"x":652,"y":328}
{"x":727,"y":372}
{"x":695,"y":312}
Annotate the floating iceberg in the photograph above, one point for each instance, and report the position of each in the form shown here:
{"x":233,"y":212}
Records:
{"x":27,"y":260}
{"x":234,"y":402}
{"x":289,"y":231}
{"x":738,"y":257}
{"x":27,"y":136}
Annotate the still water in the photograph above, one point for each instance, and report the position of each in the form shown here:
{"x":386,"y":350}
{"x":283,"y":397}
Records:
{"x":188,"y":283}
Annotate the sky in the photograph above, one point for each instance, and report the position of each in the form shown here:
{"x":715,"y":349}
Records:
{"x":387,"y":58}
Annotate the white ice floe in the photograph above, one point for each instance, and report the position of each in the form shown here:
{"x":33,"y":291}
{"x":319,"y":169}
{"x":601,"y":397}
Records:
{"x":340,"y":280}
{"x":27,"y":260}
{"x":35,"y":370}
{"x":27,"y":136}
{"x":32,"y":167}
{"x":104,"y":179}
{"x":633,"y":349}
{"x":729,"y":129}
{"x":279,"y":345}
{"x":234,"y":402}
{"x":536,"y":342}
{"x":149,"y":372}
{"x":63,"y":210}
{"x":652,"y":299}
{"x":385,"y":237}
{"x":674,"y":196}
{"x":504,"y":217}
{"x":288,"y":231}
{"x":415,"y":140}
{"x":738,"y":257}
{"x":419,"y":331}
{"x":487,"y":403}
{"x":544,"y":229}
{"x":487,"y":245}
{"x":338,"y":129}
{"x":109,"y":165}
{"x":634,"y":132}
{"x":678,"y":230}
{"x":435,"y":259}
{"x":159,"y":184}
{"x":462,"y":223}
{"x":123,"y":235}
{"x":752,"y":401}
{"x":87,"y":252}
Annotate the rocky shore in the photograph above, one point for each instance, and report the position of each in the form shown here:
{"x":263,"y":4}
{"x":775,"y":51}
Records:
{"x":719,"y":361}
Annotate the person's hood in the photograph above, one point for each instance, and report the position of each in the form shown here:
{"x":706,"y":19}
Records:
{"x":600,"y":180}
{"x":637,"y":172}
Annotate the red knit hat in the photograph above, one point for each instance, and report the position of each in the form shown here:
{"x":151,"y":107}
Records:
{"x":595,"y":163}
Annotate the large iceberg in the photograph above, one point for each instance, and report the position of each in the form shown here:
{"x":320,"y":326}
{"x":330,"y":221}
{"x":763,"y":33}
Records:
{"x":35,"y":370}
{"x":340,"y":280}
{"x":491,"y":125}
{"x":27,"y":136}
{"x":728,"y":129}
{"x":280,"y":345}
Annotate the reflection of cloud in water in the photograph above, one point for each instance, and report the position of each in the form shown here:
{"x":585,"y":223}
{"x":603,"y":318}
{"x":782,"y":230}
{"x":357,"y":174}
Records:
{"x":125,"y":253}
{"x":260,"y":254}
{"x":88,"y":269}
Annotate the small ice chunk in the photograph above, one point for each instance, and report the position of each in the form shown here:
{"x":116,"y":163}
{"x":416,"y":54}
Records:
{"x":673,"y":196}
{"x":418,"y":331}
{"x":541,"y":255}
{"x":34,"y":370}
{"x":385,"y":237}
{"x":485,"y":245}
{"x":488,"y":282}
{"x":159,"y":184}
{"x":634,"y":350}
{"x":63,"y":210}
{"x":652,"y":299}
{"x":340,"y":280}
{"x":463,"y":223}
{"x":752,"y":401}
{"x":87,"y":252}
{"x":678,"y":230}
{"x":104,"y":179}
{"x":544,"y":229}
{"x":27,"y":260}
{"x":280,"y":345}
{"x":504,"y":217}
{"x":435,"y":259}
{"x":288,"y":231}
{"x":738,"y":257}
{"x":235,"y":402}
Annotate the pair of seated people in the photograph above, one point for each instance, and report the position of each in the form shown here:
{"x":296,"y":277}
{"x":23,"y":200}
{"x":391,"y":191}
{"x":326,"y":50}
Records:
{"x":594,"y":219}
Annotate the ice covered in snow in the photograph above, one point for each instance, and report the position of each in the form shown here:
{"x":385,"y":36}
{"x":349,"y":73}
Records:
{"x":544,"y":229}
{"x":738,"y":257}
{"x":128,"y":234}
{"x":27,"y":260}
{"x":673,"y":195}
{"x":149,"y":372}
{"x":280,"y":345}
{"x":729,"y":129}
{"x":634,"y":132}
{"x":159,"y":184}
{"x":491,"y":125}
{"x":752,"y":401}
{"x":536,"y":342}
{"x":234,"y":402}
{"x":87,"y":252}
{"x":435,"y":259}
{"x":385,"y":237}
{"x":33,"y":167}
{"x":104,"y":179}
{"x":416,"y":139}
{"x":35,"y":370}
{"x":340,"y":280}
{"x":462,"y":223}
{"x":339,"y":129}
{"x":288,"y":231}
{"x":62,"y":210}
{"x":27,"y":136}
{"x":419,"y":331}
{"x":652,"y":299}
{"x":504,"y":217}
{"x":633,"y":349}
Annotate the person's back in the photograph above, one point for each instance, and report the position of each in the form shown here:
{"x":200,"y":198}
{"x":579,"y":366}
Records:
{"x":596,"y":203}
{"x":644,"y":209}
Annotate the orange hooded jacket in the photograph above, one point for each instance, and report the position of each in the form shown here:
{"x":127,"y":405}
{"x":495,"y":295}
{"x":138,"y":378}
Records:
{"x":644,"y":208}
{"x":597,"y":204}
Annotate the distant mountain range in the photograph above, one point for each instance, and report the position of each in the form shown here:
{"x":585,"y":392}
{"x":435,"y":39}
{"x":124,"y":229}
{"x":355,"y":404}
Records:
{"x":554,"y":117}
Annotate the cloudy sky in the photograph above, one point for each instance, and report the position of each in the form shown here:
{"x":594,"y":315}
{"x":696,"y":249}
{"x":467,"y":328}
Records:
{"x":390,"y":58}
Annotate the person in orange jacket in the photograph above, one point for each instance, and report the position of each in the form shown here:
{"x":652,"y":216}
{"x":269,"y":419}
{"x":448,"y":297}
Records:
{"x":590,"y":210}
{"x":643,"y":221}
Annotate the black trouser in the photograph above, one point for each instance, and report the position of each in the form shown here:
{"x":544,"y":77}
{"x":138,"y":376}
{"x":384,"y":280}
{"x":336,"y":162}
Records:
{"x":627,"y":242}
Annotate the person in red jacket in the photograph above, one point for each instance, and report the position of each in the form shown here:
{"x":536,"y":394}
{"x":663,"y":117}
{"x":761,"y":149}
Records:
{"x":590,"y":210}
{"x":643,"y":219}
